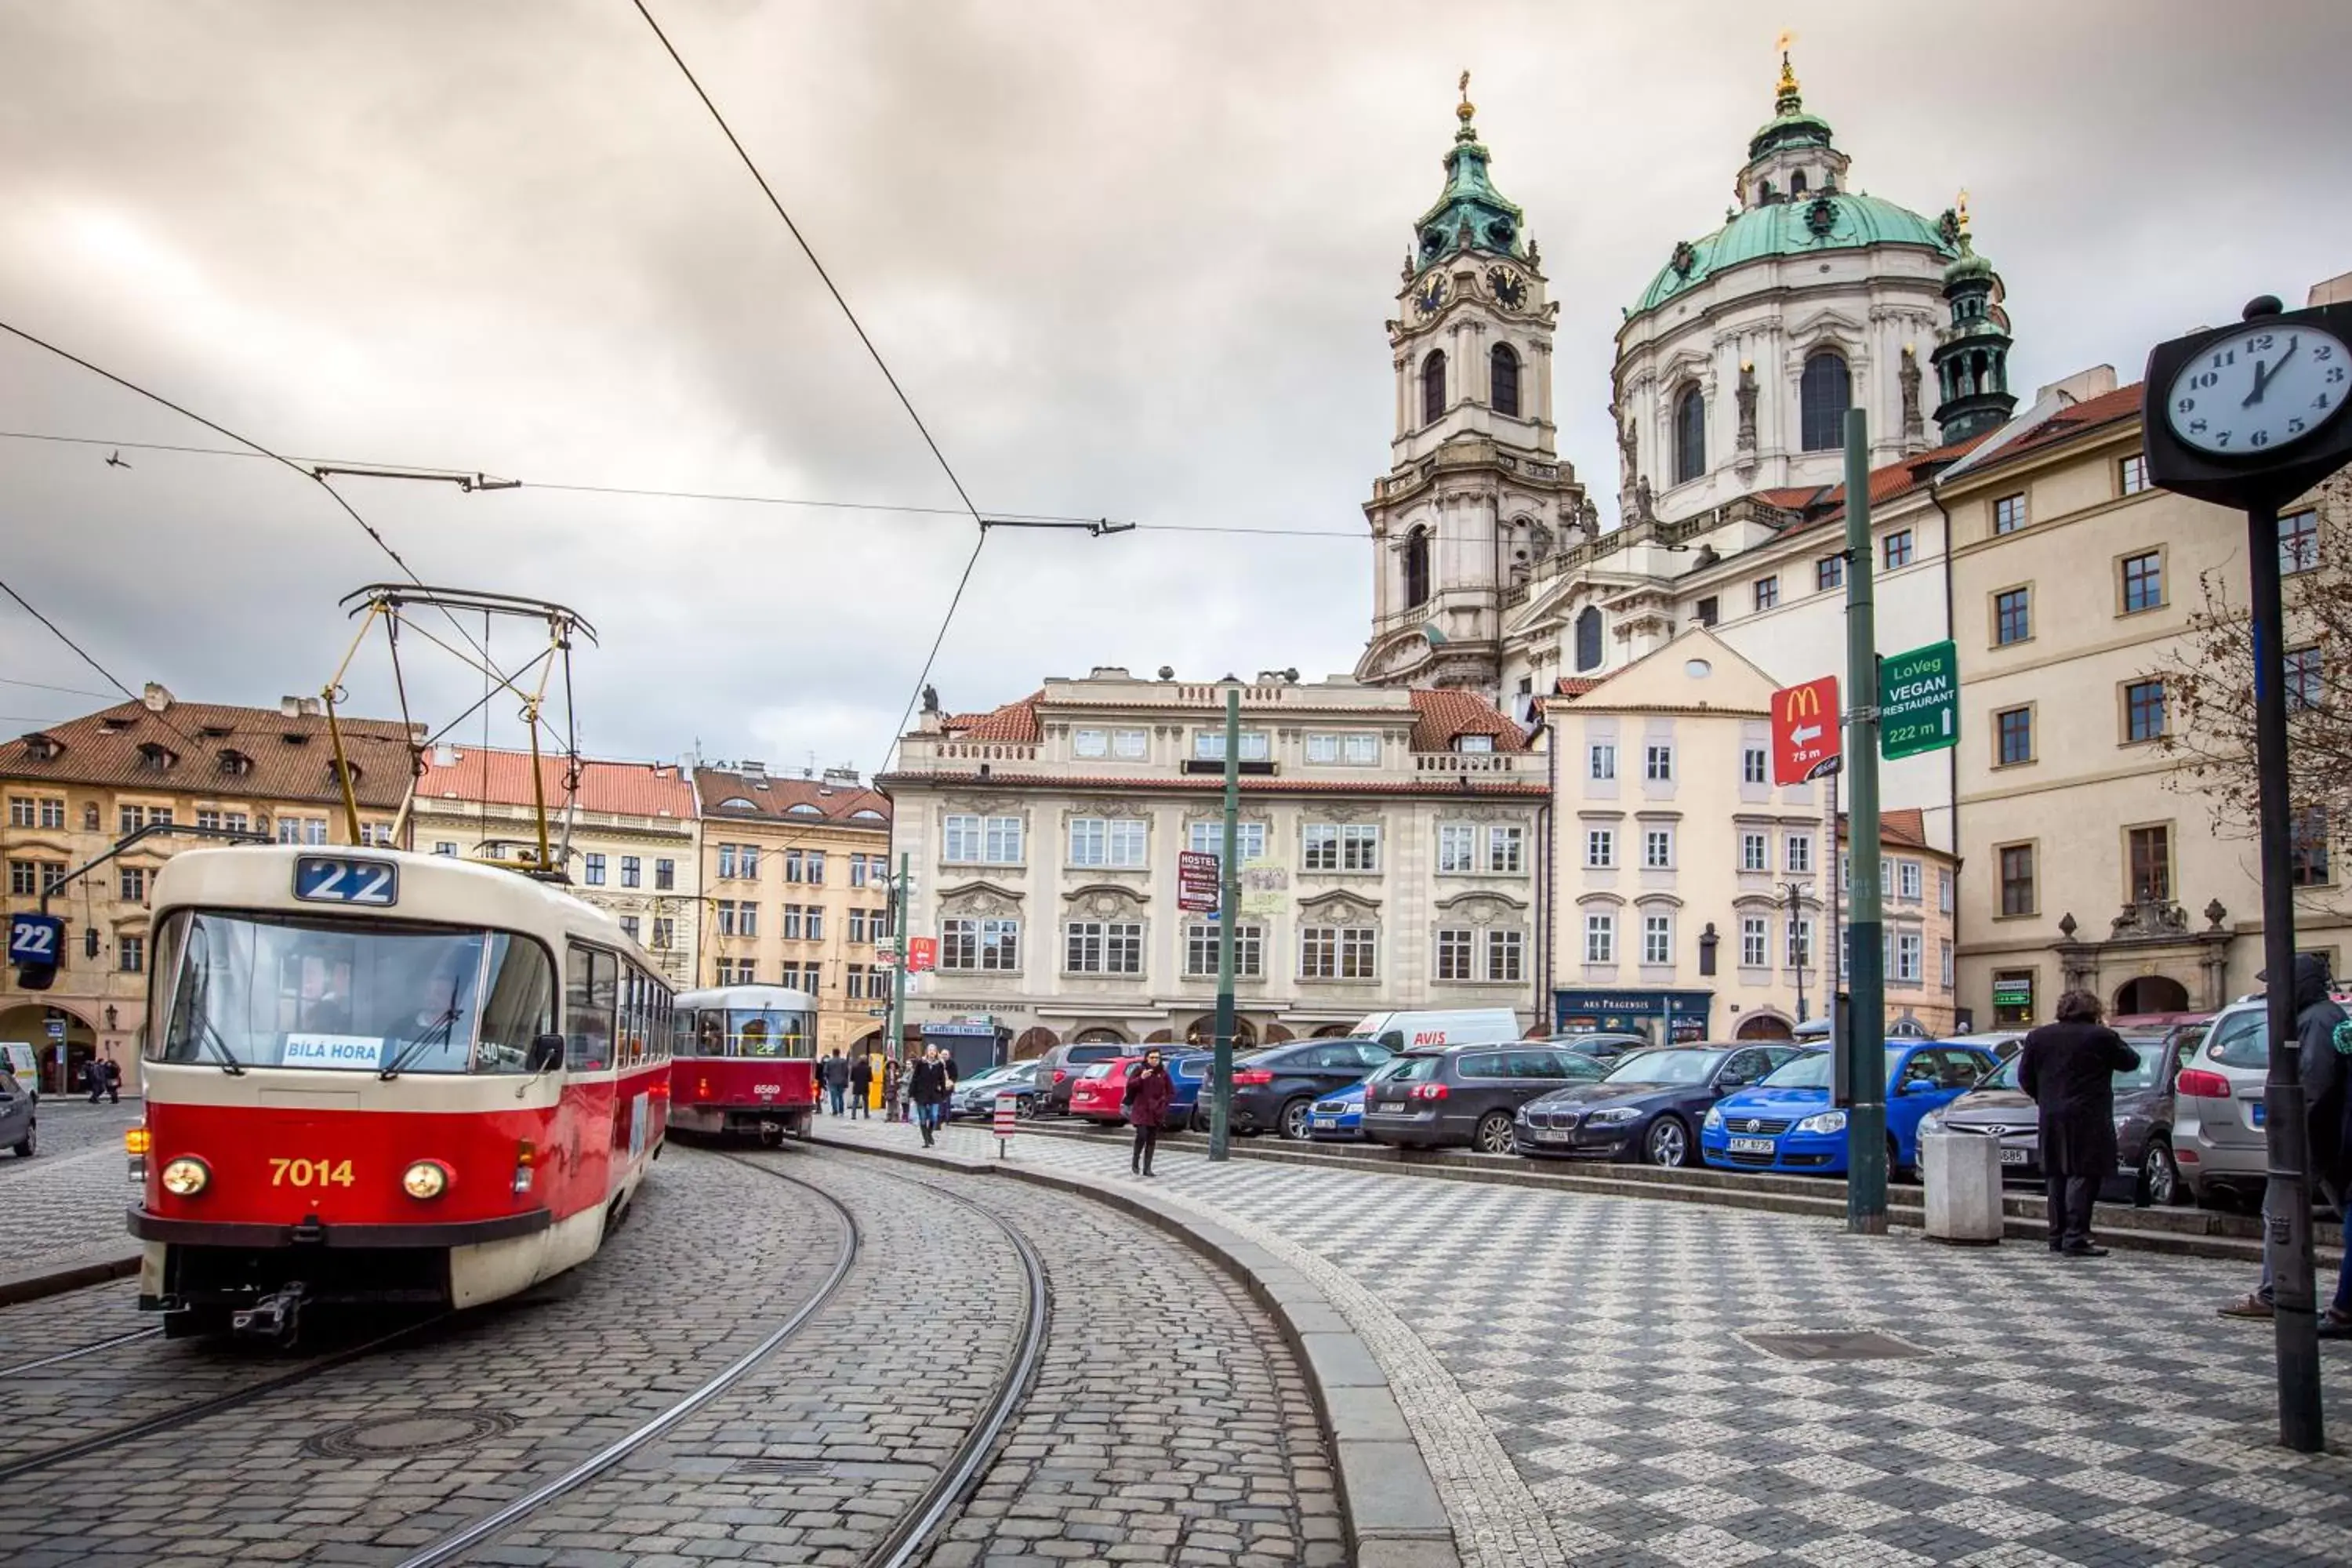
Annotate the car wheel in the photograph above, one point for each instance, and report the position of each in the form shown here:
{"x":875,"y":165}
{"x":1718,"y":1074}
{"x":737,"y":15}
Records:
{"x":31,"y":1145}
{"x":1494,"y":1133}
{"x":1896,"y":1170}
{"x":1294,"y":1119}
{"x":1669,"y":1141}
{"x":2159,"y":1176}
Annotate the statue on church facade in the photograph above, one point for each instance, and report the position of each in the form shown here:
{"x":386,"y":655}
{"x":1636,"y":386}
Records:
{"x":1746,"y":394}
{"x":1642,"y":510}
{"x":1915,"y":426}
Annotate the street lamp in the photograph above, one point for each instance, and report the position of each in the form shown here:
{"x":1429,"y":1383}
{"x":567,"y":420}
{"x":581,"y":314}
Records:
{"x":1800,"y":950}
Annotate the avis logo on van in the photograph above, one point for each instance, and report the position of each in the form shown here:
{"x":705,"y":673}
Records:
{"x":1430,"y":1037}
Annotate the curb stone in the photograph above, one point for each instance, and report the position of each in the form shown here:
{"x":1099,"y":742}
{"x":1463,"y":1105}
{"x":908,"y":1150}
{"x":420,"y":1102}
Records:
{"x":1394,"y":1516}
{"x":56,"y":1276}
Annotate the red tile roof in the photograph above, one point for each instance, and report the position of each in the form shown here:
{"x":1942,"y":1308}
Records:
{"x":1576,"y":685}
{"x":2107,"y":408}
{"x":626,"y":789}
{"x":1435,"y":784}
{"x":1016,"y":721}
{"x":775,"y":797}
{"x":188,"y":747}
{"x":1907,"y":825}
{"x":1443,"y":716}
{"x":1821,"y":503}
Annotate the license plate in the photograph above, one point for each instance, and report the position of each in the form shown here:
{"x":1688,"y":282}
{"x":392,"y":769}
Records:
{"x":2016,"y":1156}
{"x":1326,"y":1122}
{"x":1751,"y":1145}
{"x":2260,"y":1110}
{"x":1554,"y":1135}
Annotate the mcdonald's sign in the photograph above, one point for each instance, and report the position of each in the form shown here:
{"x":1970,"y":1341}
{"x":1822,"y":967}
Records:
{"x":1805,"y":739}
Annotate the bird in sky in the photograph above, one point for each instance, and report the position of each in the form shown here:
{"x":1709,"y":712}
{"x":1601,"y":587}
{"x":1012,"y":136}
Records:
{"x":114,"y":459}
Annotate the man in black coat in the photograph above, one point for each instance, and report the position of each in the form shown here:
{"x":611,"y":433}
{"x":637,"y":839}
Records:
{"x":2069,"y":1067}
{"x":2321,"y":1053}
{"x":861,"y":1083}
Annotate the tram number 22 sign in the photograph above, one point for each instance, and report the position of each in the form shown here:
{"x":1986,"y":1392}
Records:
{"x":331,"y":880}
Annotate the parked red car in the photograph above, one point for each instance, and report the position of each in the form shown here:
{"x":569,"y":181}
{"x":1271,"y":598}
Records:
{"x":1099,"y":1092}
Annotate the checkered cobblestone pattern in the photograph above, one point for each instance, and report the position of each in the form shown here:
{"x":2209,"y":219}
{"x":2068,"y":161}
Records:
{"x":1169,"y":1423}
{"x":2083,"y":1411}
{"x":68,"y":1199}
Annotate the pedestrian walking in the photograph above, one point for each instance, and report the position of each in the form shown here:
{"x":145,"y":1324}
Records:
{"x":1149,"y":1092}
{"x":2324,"y":1051}
{"x":93,"y":1078}
{"x":835,"y":1071}
{"x":2069,"y":1067}
{"x":113,"y":1082}
{"x":861,"y":1079}
{"x":931,"y":1082}
{"x":893,"y":1088}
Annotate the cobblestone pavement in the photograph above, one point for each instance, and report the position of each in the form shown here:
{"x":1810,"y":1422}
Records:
{"x":1169,"y":1424}
{"x":492,"y":1401}
{"x":67,"y":1201}
{"x":1574,"y":1370}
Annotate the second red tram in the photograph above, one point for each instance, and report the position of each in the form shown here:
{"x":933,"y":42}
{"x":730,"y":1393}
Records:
{"x":744,"y":1061}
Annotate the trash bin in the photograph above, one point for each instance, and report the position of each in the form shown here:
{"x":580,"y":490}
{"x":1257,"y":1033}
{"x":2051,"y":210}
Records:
{"x":1962,"y":1172}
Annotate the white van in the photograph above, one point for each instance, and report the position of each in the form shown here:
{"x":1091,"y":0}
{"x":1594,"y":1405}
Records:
{"x":25,"y":1067}
{"x":1456,"y":1026}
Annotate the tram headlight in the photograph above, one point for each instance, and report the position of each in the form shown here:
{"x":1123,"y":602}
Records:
{"x":186,"y":1176}
{"x":426,"y":1179}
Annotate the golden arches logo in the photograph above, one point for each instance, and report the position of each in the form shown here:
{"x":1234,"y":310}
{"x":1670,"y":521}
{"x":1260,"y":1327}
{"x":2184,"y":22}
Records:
{"x":1803,"y":702}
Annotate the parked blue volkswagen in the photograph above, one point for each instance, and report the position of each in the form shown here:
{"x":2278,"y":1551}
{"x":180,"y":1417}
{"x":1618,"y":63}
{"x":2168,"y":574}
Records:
{"x":1787,"y":1123}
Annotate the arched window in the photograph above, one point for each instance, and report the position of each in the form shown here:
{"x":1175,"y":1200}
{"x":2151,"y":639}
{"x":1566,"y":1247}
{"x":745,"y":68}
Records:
{"x":1416,"y":568}
{"x":1690,"y":435}
{"x":1796,"y":184}
{"x":1822,"y":398}
{"x":1764,"y":193}
{"x":1505,"y":370}
{"x":1432,"y":387}
{"x":1588,"y":639}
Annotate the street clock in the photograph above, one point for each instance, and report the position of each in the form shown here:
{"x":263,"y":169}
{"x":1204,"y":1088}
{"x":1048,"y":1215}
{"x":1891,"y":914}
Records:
{"x":2251,"y":416}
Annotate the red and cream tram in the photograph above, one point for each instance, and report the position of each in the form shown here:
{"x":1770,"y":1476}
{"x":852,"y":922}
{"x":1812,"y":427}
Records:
{"x":745,"y":1061}
{"x":374,"y":1076}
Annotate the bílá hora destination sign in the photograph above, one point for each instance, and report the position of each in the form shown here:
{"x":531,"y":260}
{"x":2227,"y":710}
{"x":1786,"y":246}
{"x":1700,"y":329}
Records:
{"x":1918,"y":701}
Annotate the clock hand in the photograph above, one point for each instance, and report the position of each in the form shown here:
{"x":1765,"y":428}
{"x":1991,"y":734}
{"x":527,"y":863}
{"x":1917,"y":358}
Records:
{"x":2261,"y":379}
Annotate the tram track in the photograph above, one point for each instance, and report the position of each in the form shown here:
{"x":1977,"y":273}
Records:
{"x":133,"y":1337}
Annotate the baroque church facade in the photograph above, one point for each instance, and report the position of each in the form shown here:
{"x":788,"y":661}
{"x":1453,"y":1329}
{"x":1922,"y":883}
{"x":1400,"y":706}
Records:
{"x":1734,"y":372}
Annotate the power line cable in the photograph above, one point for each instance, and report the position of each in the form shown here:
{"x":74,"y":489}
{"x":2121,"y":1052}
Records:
{"x":89,"y":658}
{"x":44,"y":686}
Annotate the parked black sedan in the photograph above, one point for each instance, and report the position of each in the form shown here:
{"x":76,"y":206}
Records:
{"x":1648,"y":1109}
{"x":1275,"y":1088}
{"x":1467,"y":1094}
{"x":2145,"y":1172}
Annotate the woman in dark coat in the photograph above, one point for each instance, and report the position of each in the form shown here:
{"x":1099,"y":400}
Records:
{"x":2069,"y":1067}
{"x":861,"y":1083}
{"x":1149,"y":1092}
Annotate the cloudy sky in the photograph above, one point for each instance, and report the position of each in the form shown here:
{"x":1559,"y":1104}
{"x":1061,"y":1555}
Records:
{"x":1127,"y":261}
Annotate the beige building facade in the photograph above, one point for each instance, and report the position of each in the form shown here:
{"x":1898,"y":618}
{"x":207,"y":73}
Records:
{"x":1392,"y":846}
{"x":795,"y":879}
{"x":75,"y":790}
{"x":625,"y":837}
{"x":1695,"y":899}
{"x":2092,"y":863}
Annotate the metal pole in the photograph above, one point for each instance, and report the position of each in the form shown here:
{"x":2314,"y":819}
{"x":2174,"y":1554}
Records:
{"x":1799,"y":951}
{"x":2286,"y":1203}
{"x":1221,"y":1104}
{"x":1865,"y":1130}
{"x":1833,"y":981}
{"x":894,"y":1044}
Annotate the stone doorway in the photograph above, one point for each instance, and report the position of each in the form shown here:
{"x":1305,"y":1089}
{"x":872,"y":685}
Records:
{"x":2151,"y":994}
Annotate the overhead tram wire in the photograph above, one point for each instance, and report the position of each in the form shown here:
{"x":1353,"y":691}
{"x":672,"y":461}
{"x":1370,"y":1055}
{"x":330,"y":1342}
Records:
{"x":89,"y":658}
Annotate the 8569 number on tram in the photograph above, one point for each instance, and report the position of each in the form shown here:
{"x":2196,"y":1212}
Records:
{"x":745,"y":1062}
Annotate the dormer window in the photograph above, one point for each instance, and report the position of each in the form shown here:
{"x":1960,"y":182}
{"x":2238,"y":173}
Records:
{"x":113,"y":726}
{"x":739,"y":803}
{"x":294,"y":738}
{"x":341,"y":773}
{"x":43,"y":747}
{"x":156,"y":759}
{"x":215,"y":731}
{"x":802,"y":808}
{"x":866,"y":814}
{"x":234,"y":762}
{"x":1474,"y":742}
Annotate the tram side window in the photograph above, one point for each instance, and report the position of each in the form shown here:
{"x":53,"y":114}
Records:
{"x":519,"y":1007}
{"x":710,"y":1032}
{"x":590,"y":1000}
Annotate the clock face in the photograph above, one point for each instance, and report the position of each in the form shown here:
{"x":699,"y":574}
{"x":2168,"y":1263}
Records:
{"x":1432,"y":296}
{"x":1509,"y":287}
{"x":2259,"y":389}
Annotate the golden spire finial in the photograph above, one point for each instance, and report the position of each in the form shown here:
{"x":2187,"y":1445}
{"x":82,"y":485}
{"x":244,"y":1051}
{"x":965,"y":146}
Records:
{"x":1962,"y":212}
{"x":1788,"y":71}
{"x":1467,"y":109}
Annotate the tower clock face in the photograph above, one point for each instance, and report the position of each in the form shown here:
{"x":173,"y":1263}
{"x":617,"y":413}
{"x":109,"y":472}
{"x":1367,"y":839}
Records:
{"x":1429,"y":296}
{"x":2259,"y":389}
{"x":1510,"y":289}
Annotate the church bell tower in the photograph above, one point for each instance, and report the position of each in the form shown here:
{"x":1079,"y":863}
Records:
{"x":1475,"y":492}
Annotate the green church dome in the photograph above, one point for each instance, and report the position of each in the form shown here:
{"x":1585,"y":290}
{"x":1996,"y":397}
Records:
{"x":1831,"y":220}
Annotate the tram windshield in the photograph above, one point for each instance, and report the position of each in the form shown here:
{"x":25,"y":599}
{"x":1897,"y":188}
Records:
{"x":278,"y":990}
{"x":745,"y":1032}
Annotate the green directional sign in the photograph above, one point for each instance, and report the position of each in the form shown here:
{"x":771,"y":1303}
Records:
{"x":1918,"y":701}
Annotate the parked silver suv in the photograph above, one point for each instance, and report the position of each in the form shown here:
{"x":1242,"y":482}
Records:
{"x":2217,"y":1120}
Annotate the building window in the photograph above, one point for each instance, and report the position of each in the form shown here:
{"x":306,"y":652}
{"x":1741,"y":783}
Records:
{"x":1823,"y":395}
{"x":2012,"y":615}
{"x":1908,"y":880}
{"x":130,"y":819}
{"x":858,"y":870}
{"x":2017,"y":880}
{"x":795,"y":868}
{"x":1601,"y":757}
{"x":1600,"y":848}
{"x":1944,"y":962}
{"x":2150,"y":850}
{"x":1477,"y":745}
{"x":1506,"y":955}
{"x":1800,"y":856}
{"x":1457,"y":848}
{"x":2142,"y":581}
{"x":2307,"y":849}
{"x":1707,"y":611}
{"x":1454,"y":955}
{"x":21,"y":811}
{"x":987,"y":946}
{"x":1503,"y":368}
{"x":726,"y":861}
{"x":1115,"y":841}
{"x":748,"y":920}
{"x":1208,"y":745}
{"x":1829,"y":572}
{"x":2009,"y":513}
{"x":2131,"y":474}
{"x":726,"y":916}
{"x":1755,"y":852}
{"x":1416,"y":567}
{"x":1657,"y":939}
{"x":1754,"y":763}
{"x":981,"y":840}
{"x":665,"y":933}
{"x":629,"y":930}
{"x":1103,"y":947}
{"x":445,"y":847}
{"x":1201,"y":952}
{"x":1658,"y":763}
{"x":1658,"y":848}
{"x":130,"y":954}
{"x":1897,"y":548}
{"x":1208,"y":838}
{"x":1599,"y":938}
{"x":1910,"y":957}
{"x":1335,"y":847}
{"x":2304,"y":676}
{"x":1353,"y":751}
{"x":1690,"y":435}
{"x":1589,"y":628}
{"x":1755,"y":943}
{"x":665,"y":875}
{"x":1432,"y":387}
{"x":816,"y":867}
{"x":592,"y":871}
{"x":1337,"y":953}
{"x":1507,"y":850}
{"x":53,"y":812}
{"x":2013,"y":737}
{"x":2298,"y":543}
{"x":856,"y":925}
{"x":1768,"y":592}
{"x":631,"y":871}
{"x":794,"y":918}
{"x":1944,"y":891}
{"x":2143,"y":711}
{"x":1800,"y":940}
{"x":1090,"y":742}
{"x":1130,"y":745}
{"x":132,"y":883}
